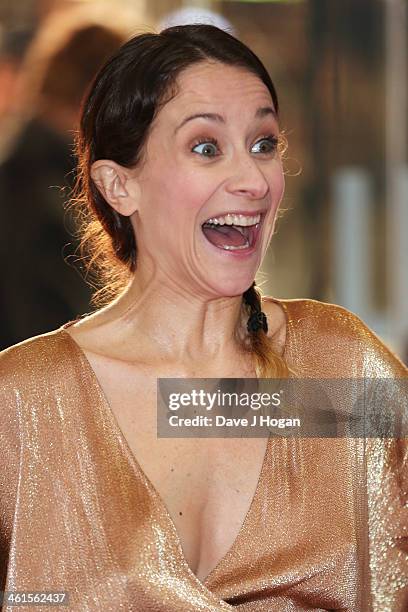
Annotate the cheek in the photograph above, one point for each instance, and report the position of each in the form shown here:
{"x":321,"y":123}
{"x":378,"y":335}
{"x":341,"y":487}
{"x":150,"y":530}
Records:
{"x":173,"y":196}
{"x":187,"y":191}
{"x":277,"y":185}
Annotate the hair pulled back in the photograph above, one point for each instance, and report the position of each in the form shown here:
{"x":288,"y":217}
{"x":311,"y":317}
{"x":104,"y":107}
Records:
{"x":117,"y":114}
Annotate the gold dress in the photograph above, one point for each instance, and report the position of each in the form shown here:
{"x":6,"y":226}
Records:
{"x":327,"y":528}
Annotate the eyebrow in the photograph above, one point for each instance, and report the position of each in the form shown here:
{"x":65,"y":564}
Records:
{"x":261,"y":112}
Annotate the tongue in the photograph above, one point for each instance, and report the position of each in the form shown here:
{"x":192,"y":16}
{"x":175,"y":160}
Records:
{"x":224,"y":235}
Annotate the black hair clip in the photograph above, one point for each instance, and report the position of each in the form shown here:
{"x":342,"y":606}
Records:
{"x":257,"y":321}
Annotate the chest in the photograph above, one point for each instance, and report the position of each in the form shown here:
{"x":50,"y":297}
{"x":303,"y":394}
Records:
{"x":204,"y":485}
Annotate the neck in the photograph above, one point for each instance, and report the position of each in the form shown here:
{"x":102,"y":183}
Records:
{"x":163,"y":321}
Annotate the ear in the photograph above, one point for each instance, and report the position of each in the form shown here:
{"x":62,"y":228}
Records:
{"x":117,"y":186}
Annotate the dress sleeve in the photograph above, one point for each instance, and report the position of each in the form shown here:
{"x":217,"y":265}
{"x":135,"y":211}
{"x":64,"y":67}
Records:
{"x":387,"y":465}
{"x":387,"y":481}
{"x":11,"y":397}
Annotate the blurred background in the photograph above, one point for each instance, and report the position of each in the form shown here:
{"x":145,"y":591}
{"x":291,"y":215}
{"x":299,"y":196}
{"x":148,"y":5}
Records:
{"x":340,"y":68}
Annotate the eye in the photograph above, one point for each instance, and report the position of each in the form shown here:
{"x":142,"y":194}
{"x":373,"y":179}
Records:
{"x":207,"y":147}
{"x":267,"y":145}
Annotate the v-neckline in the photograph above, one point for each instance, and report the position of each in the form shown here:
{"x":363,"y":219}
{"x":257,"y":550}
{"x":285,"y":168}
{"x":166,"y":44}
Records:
{"x":136,"y":467}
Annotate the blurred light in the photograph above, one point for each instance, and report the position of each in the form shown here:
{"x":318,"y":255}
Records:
{"x":352,"y":236}
{"x":192,"y":14}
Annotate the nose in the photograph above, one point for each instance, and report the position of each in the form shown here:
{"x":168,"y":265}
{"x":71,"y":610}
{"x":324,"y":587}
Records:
{"x":247,"y":178}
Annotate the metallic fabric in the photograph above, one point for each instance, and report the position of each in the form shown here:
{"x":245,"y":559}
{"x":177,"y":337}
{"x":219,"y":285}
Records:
{"x":327,"y":528}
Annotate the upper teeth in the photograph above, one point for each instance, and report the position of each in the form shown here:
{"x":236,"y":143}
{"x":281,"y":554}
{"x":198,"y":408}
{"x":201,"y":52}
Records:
{"x":235,"y":220}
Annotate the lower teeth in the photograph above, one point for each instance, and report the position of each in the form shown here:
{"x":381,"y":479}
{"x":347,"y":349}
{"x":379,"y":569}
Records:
{"x":229,"y":247}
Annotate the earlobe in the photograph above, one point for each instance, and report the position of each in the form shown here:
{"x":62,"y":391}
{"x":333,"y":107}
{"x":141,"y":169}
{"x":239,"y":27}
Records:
{"x":111,"y":180}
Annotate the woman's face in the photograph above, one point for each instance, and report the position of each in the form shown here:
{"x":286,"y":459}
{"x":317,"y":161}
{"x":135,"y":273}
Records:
{"x":211,"y":155}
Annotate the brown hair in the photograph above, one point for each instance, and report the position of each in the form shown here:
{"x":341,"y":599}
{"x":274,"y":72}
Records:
{"x":117,"y":113}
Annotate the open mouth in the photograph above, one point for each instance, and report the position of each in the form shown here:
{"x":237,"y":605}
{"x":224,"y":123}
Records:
{"x":233,"y":232}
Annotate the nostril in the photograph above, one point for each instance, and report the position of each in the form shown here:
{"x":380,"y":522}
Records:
{"x":250,"y":183}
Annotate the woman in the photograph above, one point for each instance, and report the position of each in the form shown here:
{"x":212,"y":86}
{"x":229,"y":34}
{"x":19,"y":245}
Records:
{"x":182,"y":177}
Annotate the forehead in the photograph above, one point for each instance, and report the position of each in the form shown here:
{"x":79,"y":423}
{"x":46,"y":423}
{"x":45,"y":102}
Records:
{"x":218,"y":86}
